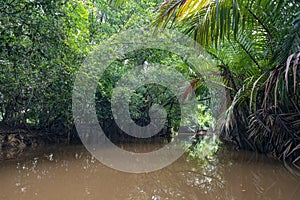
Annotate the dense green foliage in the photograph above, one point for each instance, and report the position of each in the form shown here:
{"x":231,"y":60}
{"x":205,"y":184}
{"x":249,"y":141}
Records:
{"x":44,"y":45}
{"x":257,"y":46}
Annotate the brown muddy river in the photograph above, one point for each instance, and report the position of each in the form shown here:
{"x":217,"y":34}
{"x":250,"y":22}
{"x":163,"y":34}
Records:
{"x":72,"y":173}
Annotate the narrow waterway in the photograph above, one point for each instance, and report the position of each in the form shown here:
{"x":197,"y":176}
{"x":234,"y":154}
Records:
{"x":72,"y":173}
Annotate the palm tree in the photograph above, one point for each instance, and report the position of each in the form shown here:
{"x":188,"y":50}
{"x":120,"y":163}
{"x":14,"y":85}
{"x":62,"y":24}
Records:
{"x":257,"y":44}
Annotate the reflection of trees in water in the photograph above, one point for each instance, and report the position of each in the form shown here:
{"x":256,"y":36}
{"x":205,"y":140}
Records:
{"x":231,"y":175}
{"x":182,"y":180}
{"x":255,"y":177}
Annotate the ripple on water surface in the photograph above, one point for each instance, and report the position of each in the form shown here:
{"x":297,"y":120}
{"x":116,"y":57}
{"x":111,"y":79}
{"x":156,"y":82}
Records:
{"x":72,"y":173}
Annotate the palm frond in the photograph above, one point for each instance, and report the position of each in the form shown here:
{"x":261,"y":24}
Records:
{"x":284,"y":80}
{"x":213,"y":20}
{"x":277,"y":134}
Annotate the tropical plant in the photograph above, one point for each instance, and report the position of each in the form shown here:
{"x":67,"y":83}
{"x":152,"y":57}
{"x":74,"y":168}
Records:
{"x":257,"y":45}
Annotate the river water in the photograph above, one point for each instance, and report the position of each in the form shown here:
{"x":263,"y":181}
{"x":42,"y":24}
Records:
{"x":72,"y":173}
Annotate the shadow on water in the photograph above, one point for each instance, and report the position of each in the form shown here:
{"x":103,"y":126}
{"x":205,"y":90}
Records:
{"x":72,"y":173}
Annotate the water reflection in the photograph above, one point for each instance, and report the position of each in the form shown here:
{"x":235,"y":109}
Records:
{"x":72,"y":173}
